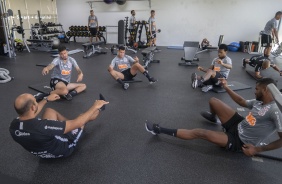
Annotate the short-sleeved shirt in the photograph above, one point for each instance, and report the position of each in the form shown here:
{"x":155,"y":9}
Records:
{"x":152,"y":23}
{"x":63,"y":70}
{"x":261,"y":122}
{"x":131,"y":22}
{"x":256,"y":61}
{"x":122,"y":64}
{"x":271,"y":24}
{"x":93,"y":21}
{"x":44,"y":138}
{"x":221,"y":69}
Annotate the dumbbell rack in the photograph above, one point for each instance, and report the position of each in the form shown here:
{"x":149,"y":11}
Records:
{"x":82,"y":31}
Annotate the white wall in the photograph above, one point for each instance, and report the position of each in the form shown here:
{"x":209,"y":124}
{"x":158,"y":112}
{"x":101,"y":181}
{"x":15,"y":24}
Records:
{"x":181,"y":20}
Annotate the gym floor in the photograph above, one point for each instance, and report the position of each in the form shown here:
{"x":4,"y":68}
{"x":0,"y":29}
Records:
{"x":116,"y":148}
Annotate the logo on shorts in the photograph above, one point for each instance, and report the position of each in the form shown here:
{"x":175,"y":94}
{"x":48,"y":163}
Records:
{"x":74,"y":132}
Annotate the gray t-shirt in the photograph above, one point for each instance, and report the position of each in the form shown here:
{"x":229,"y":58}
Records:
{"x":152,"y":23}
{"x":63,"y":70}
{"x":122,"y":64}
{"x":131,"y":21}
{"x":93,"y":21}
{"x":271,"y":24}
{"x":221,"y":69}
{"x":260,"y":123}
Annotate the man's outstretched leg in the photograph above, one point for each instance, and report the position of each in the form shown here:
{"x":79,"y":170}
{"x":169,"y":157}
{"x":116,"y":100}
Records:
{"x":218,"y":138}
{"x":137,"y":67}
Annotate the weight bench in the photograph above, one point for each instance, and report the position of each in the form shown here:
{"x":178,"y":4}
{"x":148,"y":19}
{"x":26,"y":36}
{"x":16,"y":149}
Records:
{"x":148,"y":56}
{"x":190,"y":51}
{"x":93,"y":48}
{"x":70,"y":52}
{"x":43,"y":87}
{"x":234,"y":85}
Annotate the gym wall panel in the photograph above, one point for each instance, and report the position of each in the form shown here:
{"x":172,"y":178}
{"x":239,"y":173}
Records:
{"x":182,"y":20}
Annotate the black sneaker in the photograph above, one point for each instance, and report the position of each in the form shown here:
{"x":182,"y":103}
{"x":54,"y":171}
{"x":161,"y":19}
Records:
{"x":152,"y":80}
{"x":40,"y":96}
{"x":209,"y":116}
{"x":152,"y":128}
{"x":102,"y":98}
{"x":194,"y":80}
{"x":244,"y":62}
{"x":125,"y":86}
{"x":68,"y":97}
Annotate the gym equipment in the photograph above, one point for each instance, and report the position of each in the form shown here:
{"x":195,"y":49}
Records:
{"x":108,"y":1}
{"x":277,"y":50}
{"x":132,"y":80}
{"x":121,"y":2}
{"x":234,"y":85}
{"x":252,"y":74}
{"x":208,"y":49}
{"x":121,"y":36}
{"x":233,"y":47}
{"x":4,"y":75}
{"x":70,"y":52}
{"x":93,"y":47}
{"x":148,"y":56}
{"x":190,"y":51}
{"x":43,"y":87}
{"x":175,"y":47}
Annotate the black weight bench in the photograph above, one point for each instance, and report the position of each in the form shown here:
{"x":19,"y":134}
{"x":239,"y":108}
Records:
{"x":148,"y":56}
{"x":234,"y":85}
{"x":93,"y":48}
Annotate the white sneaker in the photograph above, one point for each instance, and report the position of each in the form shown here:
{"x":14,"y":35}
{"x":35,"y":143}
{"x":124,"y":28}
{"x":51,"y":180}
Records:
{"x":207,"y":88}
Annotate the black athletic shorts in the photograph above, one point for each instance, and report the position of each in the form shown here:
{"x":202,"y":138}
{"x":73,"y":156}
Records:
{"x":266,"y":40}
{"x":93,"y":31}
{"x":54,"y":81}
{"x":214,"y":81}
{"x":73,"y":137}
{"x":127,"y":74}
{"x":154,"y":34}
{"x":231,"y":126}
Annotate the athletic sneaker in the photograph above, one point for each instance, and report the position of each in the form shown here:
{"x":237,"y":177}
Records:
{"x":244,"y":62}
{"x":152,"y":128}
{"x":40,"y":96}
{"x":209,"y":116}
{"x":125,"y":86}
{"x":152,"y":80}
{"x":207,"y":88}
{"x":194,"y":80}
{"x":68,"y":97}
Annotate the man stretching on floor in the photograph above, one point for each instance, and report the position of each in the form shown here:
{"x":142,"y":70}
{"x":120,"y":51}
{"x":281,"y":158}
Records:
{"x":61,"y":76}
{"x":126,"y":71}
{"x":260,"y":63}
{"x":241,"y":133}
{"x":220,"y":68}
{"x":53,"y":135}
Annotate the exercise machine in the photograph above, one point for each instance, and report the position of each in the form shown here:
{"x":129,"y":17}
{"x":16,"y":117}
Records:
{"x":190,"y":51}
{"x":93,"y":48}
{"x":148,"y":56}
{"x":210,"y":48}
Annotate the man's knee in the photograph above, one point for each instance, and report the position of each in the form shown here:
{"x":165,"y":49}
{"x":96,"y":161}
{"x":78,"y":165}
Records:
{"x":83,"y":86}
{"x":49,"y":110}
{"x":214,"y":101}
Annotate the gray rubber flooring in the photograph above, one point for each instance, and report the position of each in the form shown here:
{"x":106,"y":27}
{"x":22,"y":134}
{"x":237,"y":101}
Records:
{"x":116,"y":147}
